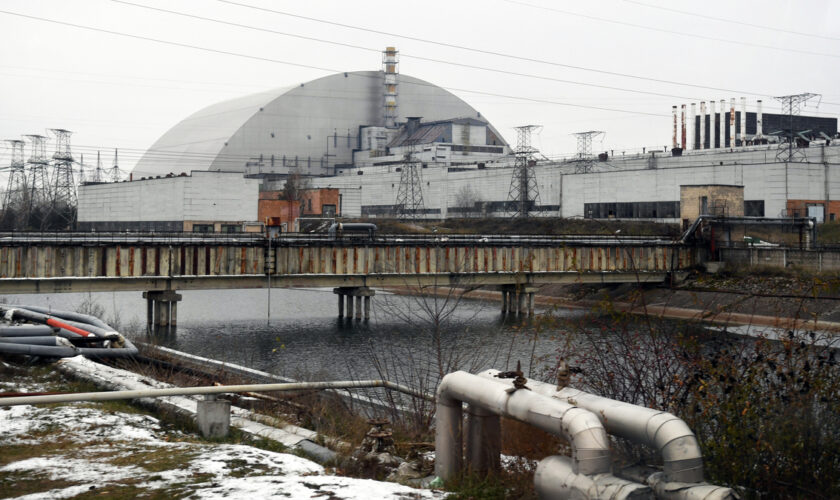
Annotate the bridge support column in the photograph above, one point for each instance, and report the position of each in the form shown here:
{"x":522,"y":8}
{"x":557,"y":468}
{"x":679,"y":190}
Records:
{"x":161,"y":309}
{"x":526,"y":294}
{"x":357,"y":300}
{"x":520,"y":303}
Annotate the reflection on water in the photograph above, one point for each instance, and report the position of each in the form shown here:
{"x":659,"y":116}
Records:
{"x":305,"y":339}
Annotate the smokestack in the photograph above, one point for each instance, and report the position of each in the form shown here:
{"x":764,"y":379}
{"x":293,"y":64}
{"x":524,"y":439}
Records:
{"x":389,"y":68}
{"x":692,"y":137}
{"x":702,"y":124}
{"x":742,"y":122}
{"x":712,"y":125}
{"x":682,"y":118}
{"x":722,"y":131}
{"x":674,"y":138}
{"x":732,"y":122}
{"x":758,"y":118}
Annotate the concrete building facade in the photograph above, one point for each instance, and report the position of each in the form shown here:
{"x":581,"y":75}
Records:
{"x":202,"y":202}
{"x":633,"y":187}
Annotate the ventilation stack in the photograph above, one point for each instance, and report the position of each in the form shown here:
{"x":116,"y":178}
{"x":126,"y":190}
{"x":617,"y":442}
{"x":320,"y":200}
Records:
{"x":389,"y":67}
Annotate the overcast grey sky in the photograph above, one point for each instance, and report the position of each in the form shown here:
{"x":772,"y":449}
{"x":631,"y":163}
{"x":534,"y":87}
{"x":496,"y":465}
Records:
{"x":116,"y":91}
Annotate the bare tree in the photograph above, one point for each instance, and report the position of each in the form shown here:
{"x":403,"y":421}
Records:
{"x":469,"y":201}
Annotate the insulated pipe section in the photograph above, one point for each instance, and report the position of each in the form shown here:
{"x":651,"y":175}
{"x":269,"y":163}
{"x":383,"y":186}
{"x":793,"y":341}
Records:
{"x":68,"y":352}
{"x":190,"y":391}
{"x":685,"y":491}
{"x":25,"y":331}
{"x":555,"y":478}
{"x":49,"y":340}
{"x":12,"y":313}
{"x":683,"y":460}
{"x":586,"y":434}
{"x":73,"y":316}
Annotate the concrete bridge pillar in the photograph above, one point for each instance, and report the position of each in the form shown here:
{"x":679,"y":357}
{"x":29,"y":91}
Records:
{"x":357,"y":300}
{"x":161,"y":309}
{"x":517,"y":299}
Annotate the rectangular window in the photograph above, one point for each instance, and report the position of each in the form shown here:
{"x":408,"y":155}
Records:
{"x":754,"y":208}
{"x":202,"y":228}
{"x":231,"y":228}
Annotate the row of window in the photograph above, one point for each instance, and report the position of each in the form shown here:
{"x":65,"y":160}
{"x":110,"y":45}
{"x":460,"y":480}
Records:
{"x":653,"y":210}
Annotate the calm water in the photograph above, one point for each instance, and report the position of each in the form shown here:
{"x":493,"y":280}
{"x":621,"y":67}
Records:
{"x":305,"y":339}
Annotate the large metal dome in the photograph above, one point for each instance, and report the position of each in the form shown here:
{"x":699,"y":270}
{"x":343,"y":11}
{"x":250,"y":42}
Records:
{"x":313,"y":126}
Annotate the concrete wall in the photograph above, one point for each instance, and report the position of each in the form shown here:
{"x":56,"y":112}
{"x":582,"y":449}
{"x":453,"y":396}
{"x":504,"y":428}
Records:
{"x":202,"y":196}
{"x":772,"y":182}
{"x":719,"y":200}
{"x":811,"y":260}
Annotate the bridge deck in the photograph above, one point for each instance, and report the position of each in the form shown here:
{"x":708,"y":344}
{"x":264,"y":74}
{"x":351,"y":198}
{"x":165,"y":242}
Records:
{"x":46,"y":263}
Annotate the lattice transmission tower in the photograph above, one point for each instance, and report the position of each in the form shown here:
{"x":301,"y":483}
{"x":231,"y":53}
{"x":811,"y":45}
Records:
{"x":585,"y":159}
{"x":98,"y":172}
{"x":409,"y":203}
{"x":16,"y":193}
{"x":115,"y":173}
{"x":524,"y":193}
{"x":64,"y":183}
{"x":789,"y":150}
{"x":37,"y":183}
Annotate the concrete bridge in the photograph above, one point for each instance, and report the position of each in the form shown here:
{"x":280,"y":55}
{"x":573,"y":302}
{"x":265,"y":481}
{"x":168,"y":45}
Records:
{"x":162,"y":264}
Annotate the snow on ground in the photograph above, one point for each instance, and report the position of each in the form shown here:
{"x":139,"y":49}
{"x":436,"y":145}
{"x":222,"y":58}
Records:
{"x":63,"y":451}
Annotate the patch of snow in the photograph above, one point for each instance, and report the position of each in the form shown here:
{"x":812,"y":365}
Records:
{"x":103,"y":438}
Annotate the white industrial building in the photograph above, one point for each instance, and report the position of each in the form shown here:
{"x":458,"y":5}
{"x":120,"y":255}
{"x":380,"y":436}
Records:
{"x":202,"y":202}
{"x":635,"y":186}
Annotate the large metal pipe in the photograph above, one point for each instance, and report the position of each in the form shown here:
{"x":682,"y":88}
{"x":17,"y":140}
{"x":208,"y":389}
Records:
{"x":13,"y":313}
{"x":69,"y":352}
{"x":187,"y":391}
{"x":49,"y":340}
{"x":732,"y":135}
{"x":588,"y":439}
{"x":703,"y":118}
{"x":555,"y":478}
{"x":662,"y":431}
{"x":25,"y":330}
{"x":74,"y":316}
{"x":674,"y":136}
{"x":758,"y":121}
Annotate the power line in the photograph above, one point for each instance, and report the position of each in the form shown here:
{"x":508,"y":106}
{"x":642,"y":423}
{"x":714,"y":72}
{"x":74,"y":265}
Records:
{"x":310,"y":66}
{"x":498,"y":54}
{"x":402,"y":54}
{"x":671,"y":32}
{"x":730,"y":21}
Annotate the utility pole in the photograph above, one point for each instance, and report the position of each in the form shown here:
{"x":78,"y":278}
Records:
{"x":97,"y":172}
{"x":116,"y":173}
{"x":15,"y":198}
{"x":524,"y":193}
{"x":36,"y":179}
{"x":585,"y":159}
{"x":409,"y":203}
{"x":64,"y":184}
{"x":792,"y":107}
